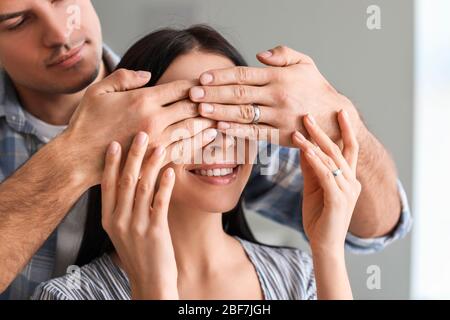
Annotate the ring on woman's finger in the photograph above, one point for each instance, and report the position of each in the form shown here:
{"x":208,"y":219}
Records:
{"x":337,"y":172}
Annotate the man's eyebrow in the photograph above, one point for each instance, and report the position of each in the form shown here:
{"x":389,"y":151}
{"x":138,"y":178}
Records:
{"x":7,"y":16}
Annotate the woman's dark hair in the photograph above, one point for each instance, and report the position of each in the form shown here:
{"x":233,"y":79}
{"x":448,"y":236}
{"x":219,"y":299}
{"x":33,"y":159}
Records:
{"x":155,"y":53}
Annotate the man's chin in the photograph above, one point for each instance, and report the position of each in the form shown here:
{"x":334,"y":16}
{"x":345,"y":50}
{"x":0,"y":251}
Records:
{"x":71,"y":82}
{"x":74,"y":85}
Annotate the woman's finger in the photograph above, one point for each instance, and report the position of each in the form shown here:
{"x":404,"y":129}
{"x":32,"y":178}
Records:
{"x":326,"y":179}
{"x":351,"y":145}
{"x":327,"y":145}
{"x":329,"y":163}
{"x":161,"y":202}
{"x":146,"y":186}
{"x":110,"y":180}
{"x":130,"y":176}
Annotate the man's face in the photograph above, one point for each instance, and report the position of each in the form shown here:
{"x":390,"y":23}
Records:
{"x":50,"y":46}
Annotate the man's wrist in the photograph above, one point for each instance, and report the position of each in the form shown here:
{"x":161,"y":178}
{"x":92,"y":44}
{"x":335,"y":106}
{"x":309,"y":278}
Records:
{"x":74,"y":159}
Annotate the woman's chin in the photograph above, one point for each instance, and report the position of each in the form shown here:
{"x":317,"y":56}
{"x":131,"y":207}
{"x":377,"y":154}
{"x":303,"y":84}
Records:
{"x":222,"y":205}
{"x":209,"y":202}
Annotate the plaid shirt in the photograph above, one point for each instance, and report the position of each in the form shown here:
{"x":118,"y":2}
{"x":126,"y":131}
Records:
{"x":277,"y":194}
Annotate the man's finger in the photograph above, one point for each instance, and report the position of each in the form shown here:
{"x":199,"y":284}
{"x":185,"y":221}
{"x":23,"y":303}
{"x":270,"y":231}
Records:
{"x":283,"y":56}
{"x":237,"y":75}
{"x":244,"y":113}
{"x":232,"y":94}
{"x":259,"y":132}
{"x":183,"y":152}
{"x":186,"y":129}
{"x":121,"y":80}
{"x":179,"y":111}
{"x":168,"y":93}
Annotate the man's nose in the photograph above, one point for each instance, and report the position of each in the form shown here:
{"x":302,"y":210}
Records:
{"x":55,"y":31}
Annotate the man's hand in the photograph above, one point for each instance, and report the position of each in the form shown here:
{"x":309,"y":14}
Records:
{"x":115,"y":109}
{"x":51,"y":182}
{"x":287,"y":90}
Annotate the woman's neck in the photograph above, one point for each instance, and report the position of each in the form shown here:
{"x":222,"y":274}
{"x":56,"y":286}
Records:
{"x":201,"y":245}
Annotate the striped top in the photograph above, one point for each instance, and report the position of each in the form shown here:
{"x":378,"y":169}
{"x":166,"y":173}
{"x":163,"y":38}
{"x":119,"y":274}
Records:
{"x":283,"y":273}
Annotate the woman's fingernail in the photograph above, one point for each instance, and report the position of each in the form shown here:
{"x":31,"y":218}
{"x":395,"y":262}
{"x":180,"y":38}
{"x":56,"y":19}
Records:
{"x":170,"y":173}
{"x":144,"y":74}
{"x":113,"y":148}
{"x":311,"y":119}
{"x":211,"y":134}
{"x":300,"y":137}
{"x":311,"y":152}
{"x":141,"y":138}
{"x":159,"y":151}
{"x":207,"y":108}
{"x":206,"y":78}
{"x":223,"y":126}
{"x":345,"y":114}
{"x":266,"y":54}
{"x":197,"y":93}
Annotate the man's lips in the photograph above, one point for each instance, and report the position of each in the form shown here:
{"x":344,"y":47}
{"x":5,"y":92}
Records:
{"x":69,"y":58}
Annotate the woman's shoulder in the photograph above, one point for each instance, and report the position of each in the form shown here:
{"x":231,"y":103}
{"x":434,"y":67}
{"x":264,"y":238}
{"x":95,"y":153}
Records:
{"x":99,"y":280}
{"x":286,"y":273}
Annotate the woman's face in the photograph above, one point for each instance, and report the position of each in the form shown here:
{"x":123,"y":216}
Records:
{"x":215,"y":183}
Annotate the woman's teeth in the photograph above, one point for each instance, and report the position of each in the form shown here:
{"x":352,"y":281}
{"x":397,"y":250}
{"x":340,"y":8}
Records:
{"x":215,"y":172}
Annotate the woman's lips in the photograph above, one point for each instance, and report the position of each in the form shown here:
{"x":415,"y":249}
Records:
{"x":216,"y":180}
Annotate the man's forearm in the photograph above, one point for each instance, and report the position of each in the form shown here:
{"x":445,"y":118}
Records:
{"x":378,"y":209}
{"x":33,"y":201}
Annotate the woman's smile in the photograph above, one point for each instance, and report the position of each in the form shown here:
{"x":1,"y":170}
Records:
{"x":216,"y":174}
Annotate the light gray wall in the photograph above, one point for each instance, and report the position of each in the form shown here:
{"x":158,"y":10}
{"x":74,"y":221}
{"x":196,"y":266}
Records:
{"x":373,"y":68}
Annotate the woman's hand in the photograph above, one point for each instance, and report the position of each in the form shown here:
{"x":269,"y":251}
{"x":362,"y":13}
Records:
{"x":134,"y":214}
{"x":329,"y":198}
{"x":328,"y":201}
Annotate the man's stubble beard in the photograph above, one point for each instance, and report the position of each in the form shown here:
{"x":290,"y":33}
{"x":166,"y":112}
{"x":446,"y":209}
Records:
{"x":84,"y":83}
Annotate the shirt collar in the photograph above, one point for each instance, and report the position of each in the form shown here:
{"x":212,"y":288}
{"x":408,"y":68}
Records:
{"x":10,"y":106}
